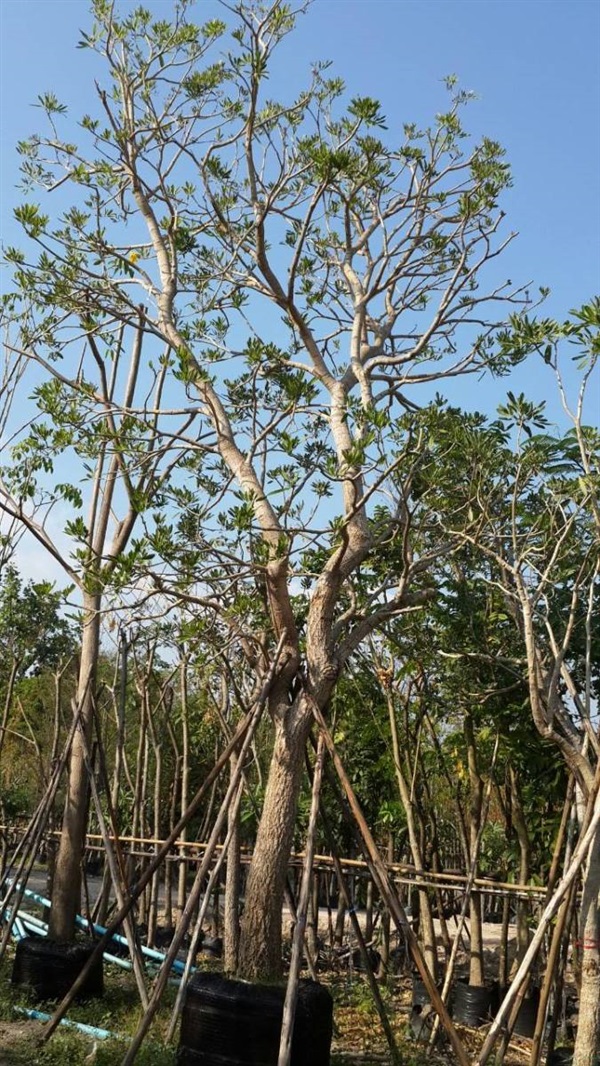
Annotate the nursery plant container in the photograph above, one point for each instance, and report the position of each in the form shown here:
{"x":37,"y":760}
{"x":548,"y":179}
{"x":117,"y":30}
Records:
{"x":226,"y":1022}
{"x":474,"y":1005}
{"x":420,"y":995}
{"x":561,"y":1056}
{"x":358,"y":962}
{"x":49,"y":967}
{"x":527,"y":1016}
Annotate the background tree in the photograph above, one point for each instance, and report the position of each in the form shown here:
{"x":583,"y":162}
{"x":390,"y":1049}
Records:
{"x":536,"y":523}
{"x":37,"y":644}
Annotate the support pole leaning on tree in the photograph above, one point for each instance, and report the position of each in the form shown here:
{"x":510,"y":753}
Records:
{"x":192,"y":900}
{"x":345,"y":894}
{"x":237,"y":740}
{"x":36,"y":831}
{"x":549,"y":912}
{"x":291,"y":995}
{"x":380,"y":875}
{"x":115,"y":864}
{"x":234,"y":789}
{"x":187,"y":815}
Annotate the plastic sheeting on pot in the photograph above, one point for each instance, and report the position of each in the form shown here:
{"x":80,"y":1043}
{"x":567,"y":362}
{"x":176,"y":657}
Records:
{"x":234,"y":1023}
{"x":49,"y":967}
{"x":474,"y":1005}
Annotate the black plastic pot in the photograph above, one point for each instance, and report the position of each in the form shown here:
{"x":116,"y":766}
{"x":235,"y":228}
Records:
{"x":358,"y":961}
{"x":526,"y":1018}
{"x":420,"y":995}
{"x":49,"y":967}
{"x":472,"y":1005}
{"x":235,"y":1023}
{"x":212,"y":946}
{"x":561,"y":1056}
{"x":398,"y":961}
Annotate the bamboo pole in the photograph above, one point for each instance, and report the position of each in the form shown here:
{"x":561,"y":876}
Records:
{"x":558,"y":931}
{"x":427,"y":878}
{"x":291,"y":994}
{"x":17,"y":887}
{"x":115,"y":865}
{"x":560,"y":972}
{"x":549,"y":912}
{"x":192,"y":900}
{"x":345,"y":896}
{"x":137,"y":889}
{"x":199,"y":923}
{"x":380,"y":874}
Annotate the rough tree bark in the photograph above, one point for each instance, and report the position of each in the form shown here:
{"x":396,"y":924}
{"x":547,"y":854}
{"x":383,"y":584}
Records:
{"x":66,"y":887}
{"x":588,"y":1031}
{"x":260,"y":932}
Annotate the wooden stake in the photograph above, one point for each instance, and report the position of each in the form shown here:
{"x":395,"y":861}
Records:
{"x":550,"y":910}
{"x":380,"y":875}
{"x":234,"y":807}
{"x":192,"y":900}
{"x":557,"y":932}
{"x":291,"y":995}
{"x":137,"y":889}
{"x":39,"y":820}
{"x":345,"y":896}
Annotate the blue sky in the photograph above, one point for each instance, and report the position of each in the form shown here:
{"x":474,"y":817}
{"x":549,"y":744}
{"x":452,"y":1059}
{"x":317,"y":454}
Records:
{"x":535,"y":65}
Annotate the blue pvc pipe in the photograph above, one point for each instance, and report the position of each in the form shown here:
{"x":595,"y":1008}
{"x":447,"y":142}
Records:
{"x":89,"y":1030}
{"x":20,"y":929}
{"x":150,"y":953}
{"x":17,"y":931}
{"x":37,"y":926}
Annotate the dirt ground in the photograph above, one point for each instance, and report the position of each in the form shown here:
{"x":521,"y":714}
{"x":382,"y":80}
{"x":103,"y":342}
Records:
{"x":13,"y":1037}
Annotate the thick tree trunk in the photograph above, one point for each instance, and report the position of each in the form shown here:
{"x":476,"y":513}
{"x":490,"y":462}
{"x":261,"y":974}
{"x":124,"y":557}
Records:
{"x":260,"y":934}
{"x":66,"y":888}
{"x":587,"y":1044}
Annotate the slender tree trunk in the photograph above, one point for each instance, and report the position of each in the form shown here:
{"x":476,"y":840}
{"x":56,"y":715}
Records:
{"x":185,"y":778}
{"x":340,"y":918}
{"x":518,"y":819}
{"x":8,"y":700}
{"x":156,"y":879}
{"x":66,"y":888}
{"x":260,"y":936}
{"x":426,"y":926}
{"x":503,"y":953}
{"x":385,"y":914}
{"x":476,"y":972}
{"x":231,"y":918}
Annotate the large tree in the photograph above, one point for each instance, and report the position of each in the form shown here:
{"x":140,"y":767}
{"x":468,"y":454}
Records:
{"x":302,"y":272}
